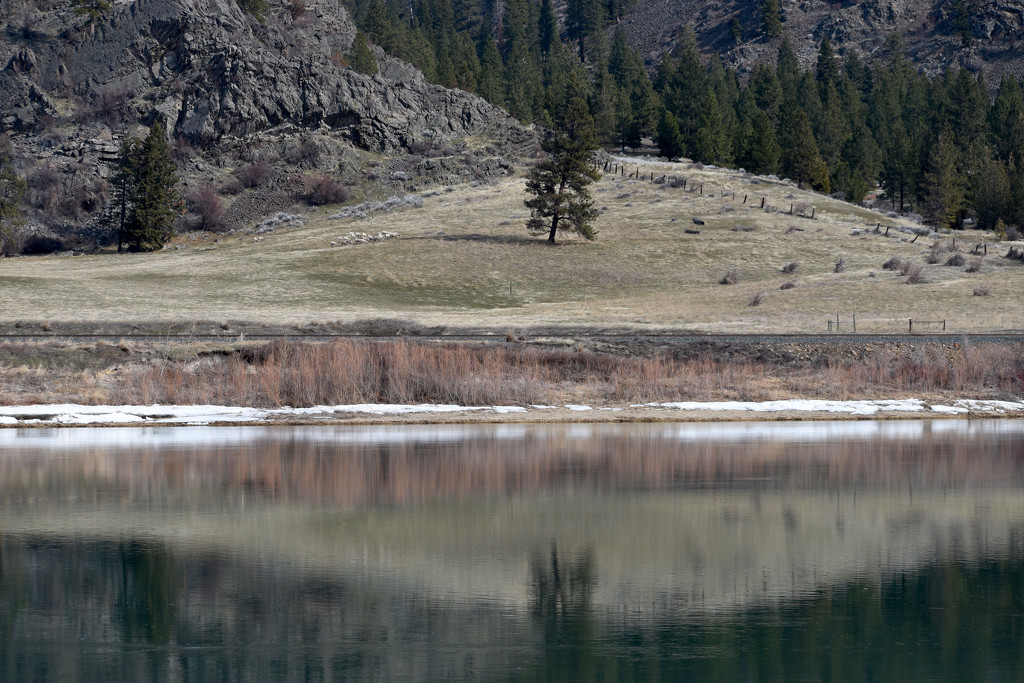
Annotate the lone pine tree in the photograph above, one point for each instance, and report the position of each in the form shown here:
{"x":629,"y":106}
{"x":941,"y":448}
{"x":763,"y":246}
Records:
{"x":559,"y":185}
{"x":145,"y":184}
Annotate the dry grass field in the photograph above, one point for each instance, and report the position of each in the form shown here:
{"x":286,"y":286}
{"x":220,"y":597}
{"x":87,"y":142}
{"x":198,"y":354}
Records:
{"x":465,"y":260}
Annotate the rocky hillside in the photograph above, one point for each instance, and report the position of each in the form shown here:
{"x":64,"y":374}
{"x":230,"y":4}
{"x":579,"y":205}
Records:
{"x":232,"y":91}
{"x":934,"y":32}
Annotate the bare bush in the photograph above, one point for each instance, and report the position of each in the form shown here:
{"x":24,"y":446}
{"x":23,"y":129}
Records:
{"x":956,"y":260}
{"x":982,"y":290}
{"x":231,"y":186}
{"x":915,"y":274}
{"x":743,"y":228}
{"x":44,"y":187}
{"x":974,"y":265}
{"x":255,"y":174}
{"x":306,"y":154}
{"x":208,"y":208}
{"x":1013,"y":234}
{"x":894,"y":263}
{"x":757,"y":299}
{"x":840,"y":266}
{"x":323,"y":189}
{"x":731,"y":277}
{"x":790,"y":267}
{"x":787,"y":285}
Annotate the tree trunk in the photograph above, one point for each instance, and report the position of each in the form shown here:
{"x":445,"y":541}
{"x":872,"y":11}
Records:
{"x":556,"y":214}
{"x":554,"y":229}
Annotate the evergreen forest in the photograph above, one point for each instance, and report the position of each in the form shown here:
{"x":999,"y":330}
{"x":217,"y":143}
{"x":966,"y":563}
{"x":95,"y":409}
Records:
{"x":947,"y":146}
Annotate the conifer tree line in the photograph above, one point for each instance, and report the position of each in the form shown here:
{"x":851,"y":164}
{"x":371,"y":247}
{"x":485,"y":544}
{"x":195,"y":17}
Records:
{"x":939,"y":145}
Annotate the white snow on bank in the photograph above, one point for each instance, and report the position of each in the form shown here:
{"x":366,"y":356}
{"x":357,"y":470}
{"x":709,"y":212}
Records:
{"x":71,"y":414}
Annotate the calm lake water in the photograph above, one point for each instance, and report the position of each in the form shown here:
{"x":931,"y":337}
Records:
{"x":880,"y":551}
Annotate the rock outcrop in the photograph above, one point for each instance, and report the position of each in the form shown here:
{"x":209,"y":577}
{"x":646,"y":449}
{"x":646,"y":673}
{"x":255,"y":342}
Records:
{"x":210,"y":71}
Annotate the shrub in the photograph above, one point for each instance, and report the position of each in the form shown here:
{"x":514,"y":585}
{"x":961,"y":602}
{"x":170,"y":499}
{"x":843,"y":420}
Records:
{"x":255,"y":174}
{"x":790,"y":267}
{"x":231,"y":187}
{"x":915,"y":274}
{"x":731,"y":277}
{"x":974,"y":265}
{"x":44,"y":185}
{"x":306,"y":154}
{"x":956,"y":260}
{"x":1013,"y":234}
{"x":757,"y":299}
{"x":840,"y":266}
{"x":323,"y":189}
{"x":894,"y":263}
{"x":787,"y":285}
{"x":208,"y":207}
{"x":39,"y":244}
{"x":982,"y":290}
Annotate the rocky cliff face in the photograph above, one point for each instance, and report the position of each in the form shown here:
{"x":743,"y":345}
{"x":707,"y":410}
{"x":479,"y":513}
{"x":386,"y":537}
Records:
{"x":228,"y":88}
{"x":931,"y":30}
{"x":210,"y":71}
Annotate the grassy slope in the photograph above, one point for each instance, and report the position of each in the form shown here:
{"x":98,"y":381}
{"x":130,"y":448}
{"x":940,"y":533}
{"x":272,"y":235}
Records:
{"x":643,"y":270}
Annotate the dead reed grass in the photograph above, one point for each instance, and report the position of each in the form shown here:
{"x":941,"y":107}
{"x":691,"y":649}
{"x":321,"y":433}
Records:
{"x":400,"y":371}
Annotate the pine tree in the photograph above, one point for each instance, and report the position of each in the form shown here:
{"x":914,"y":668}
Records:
{"x":763,"y":151}
{"x":150,"y":202}
{"x":992,"y":194}
{"x":943,"y":185}
{"x":559,"y":185}
{"x":491,"y":81}
{"x":828,"y":69}
{"x":12,"y":194}
{"x":771,"y":21}
{"x":361,"y":57}
{"x":670,"y":142}
{"x":801,"y":160}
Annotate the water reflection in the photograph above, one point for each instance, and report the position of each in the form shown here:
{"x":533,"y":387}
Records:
{"x":834,"y":550}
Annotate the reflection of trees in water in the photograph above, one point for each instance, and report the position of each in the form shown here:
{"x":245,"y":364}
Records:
{"x":417,"y":470}
{"x":560,"y":600}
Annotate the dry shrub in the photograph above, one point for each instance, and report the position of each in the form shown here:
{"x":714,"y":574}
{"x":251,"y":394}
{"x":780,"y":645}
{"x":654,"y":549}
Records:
{"x":790,"y":267}
{"x":306,"y":154}
{"x":915,"y":274}
{"x":255,"y":174}
{"x":323,"y":189}
{"x":840,"y":266}
{"x":787,"y":285}
{"x":894,"y":263}
{"x":44,"y":187}
{"x":208,"y":207}
{"x":956,"y":260}
{"x":731,"y":277}
{"x":757,"y":299}
{"x":982,"y":290}
{"x":974,"y":265}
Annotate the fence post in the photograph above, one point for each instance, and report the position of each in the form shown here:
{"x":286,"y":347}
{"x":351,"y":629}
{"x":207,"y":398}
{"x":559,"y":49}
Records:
{"x":943,"y":325}
{"x":855,"y":323}
{"x":762,"y":202}
{"x":813,"y":209}
{"x":702,"y":189}
{"x":744,"y":199}
{"x":911,"y":327}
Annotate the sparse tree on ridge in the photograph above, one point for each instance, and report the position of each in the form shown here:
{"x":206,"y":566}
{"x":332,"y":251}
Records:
{"x":559,"y":184}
